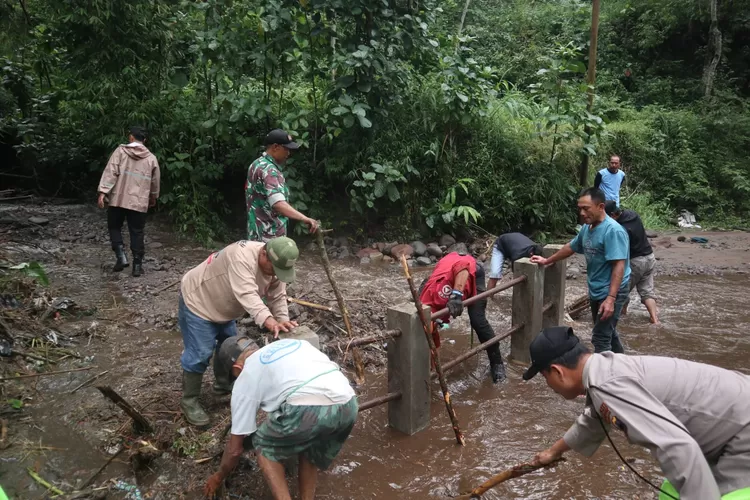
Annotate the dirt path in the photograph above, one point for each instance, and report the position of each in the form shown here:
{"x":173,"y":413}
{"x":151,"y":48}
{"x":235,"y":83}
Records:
{"x":127,"y":326}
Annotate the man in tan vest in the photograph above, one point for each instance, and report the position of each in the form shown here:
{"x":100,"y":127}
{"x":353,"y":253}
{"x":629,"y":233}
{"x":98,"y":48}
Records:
{"x":246,"y":276}
{"x":131,"y":183}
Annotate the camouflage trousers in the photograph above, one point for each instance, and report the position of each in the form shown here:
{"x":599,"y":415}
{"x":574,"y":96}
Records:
{"x":316,"y":432}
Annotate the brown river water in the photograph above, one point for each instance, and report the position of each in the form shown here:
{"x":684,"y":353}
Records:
{"x":705,"y":319}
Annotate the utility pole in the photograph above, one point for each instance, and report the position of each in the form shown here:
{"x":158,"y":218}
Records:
{"x":591,"y":80}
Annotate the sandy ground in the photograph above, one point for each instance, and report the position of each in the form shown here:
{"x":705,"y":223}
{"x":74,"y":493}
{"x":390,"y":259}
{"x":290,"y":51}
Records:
{"x":127,"y":327}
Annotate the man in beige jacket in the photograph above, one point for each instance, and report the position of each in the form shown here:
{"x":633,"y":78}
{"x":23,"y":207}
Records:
{"x":246,"y":276}
{"x":131,"y":182}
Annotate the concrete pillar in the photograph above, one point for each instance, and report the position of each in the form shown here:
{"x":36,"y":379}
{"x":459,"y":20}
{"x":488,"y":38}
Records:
{"x":527,"y":309}
{"x":408,"y":371}
{"x":554,"y":288}
{"x":302,"y":333}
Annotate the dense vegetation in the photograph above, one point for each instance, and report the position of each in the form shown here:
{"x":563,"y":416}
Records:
{"x":414,"y":115}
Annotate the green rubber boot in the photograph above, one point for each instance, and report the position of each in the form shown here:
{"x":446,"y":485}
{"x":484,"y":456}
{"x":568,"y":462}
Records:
{"x":222,"y":385}
{"x":191,"y":407}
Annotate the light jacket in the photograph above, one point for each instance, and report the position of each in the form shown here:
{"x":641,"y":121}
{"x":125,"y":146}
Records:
{"x":131,"y":177}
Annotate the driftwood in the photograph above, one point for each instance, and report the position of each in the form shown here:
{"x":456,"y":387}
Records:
{"x":358,"y":364}
{"x":435,"y":358}
{"x":578,"y":307}
{"x":517,"y":471}
{"x":141,"y":423}
{"x":89,"y":380}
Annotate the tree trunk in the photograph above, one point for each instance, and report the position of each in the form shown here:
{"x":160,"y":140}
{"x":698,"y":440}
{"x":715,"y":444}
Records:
{"x":714,"y":51}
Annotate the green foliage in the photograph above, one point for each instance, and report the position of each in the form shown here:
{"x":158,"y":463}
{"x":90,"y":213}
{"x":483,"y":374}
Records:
{"x":654,"y":214}
{"x":191,"y":445}
{"x":444,"y":213}
{"x":33,"y":270}
{"x":378,"y":182}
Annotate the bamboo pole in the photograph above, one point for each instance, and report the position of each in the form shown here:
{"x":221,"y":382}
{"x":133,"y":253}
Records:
{"x":358,"y":365}
{"x":517,"y":471}
{"x":435,"y":358}
{"x":311,"y":305}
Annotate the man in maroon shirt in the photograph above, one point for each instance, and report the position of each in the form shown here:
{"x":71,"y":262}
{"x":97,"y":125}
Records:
{"x":455,"y":278}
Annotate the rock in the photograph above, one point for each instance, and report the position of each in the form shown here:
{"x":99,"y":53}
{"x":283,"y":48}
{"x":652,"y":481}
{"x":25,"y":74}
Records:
{"x":380,"y":246}
{"x":446,"y":240}
{"x":155,"y":244}
{"x":388,"y":247}
{"x":573,"y":272}
{"x":39,"y":220}
{"x":424,"y":261}
{"x":433,"y":259}
{"x":419,"y":248}
{"x":341,"y":241}
{"x":460,"y":248}
{"x":388,"y":260}
{"x":364,"y":260}
{"x":367,"y":252}
{"x":311,"y":247}
{"x":651,"y":234}
{"x":663,"y":242}
{"x":402,"y":249}
{"x":681,"y":239}
{"x":434,"y":250}
{"x":377,"y":257}
{"x":411,"y":262}
{"x":344,"y":253}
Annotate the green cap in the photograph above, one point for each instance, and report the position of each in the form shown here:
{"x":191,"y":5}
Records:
{"x":283,"y":254}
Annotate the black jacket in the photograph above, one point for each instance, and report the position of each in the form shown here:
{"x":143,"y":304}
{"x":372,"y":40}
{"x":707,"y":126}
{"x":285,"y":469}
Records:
{"x":639,"y":244}
{"x":515,"y":246}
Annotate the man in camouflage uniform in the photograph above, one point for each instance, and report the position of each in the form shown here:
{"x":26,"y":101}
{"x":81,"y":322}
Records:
{"x":266,"y":193}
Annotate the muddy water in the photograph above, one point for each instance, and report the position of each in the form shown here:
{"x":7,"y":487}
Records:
{"x":705,"y":319}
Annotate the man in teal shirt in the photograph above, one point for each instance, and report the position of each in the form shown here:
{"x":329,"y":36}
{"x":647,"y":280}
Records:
{"x":606,"y":246}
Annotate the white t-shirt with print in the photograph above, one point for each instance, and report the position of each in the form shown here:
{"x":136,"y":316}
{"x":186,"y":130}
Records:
{"x":272,"y":373}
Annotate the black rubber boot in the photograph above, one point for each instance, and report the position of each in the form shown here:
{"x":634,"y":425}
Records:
{"x":137,"y":265}
{"x":122,"y":259}
{"x":222,"y":384}
{"x":497,"y":371}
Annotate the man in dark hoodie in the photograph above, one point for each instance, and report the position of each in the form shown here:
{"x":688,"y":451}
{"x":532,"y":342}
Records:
{"x":511,"y":246}
{"x":642,"y":260}
{"x":131,"y":183}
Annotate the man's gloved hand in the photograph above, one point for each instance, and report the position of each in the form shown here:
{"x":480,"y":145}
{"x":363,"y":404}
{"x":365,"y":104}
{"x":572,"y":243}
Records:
{"x":456,"y":304}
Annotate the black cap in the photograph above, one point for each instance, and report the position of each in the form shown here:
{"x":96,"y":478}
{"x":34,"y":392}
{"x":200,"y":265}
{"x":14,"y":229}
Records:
{"x":280,"y":137}
{"x":230,"y":351}
{"x":550,"y":344}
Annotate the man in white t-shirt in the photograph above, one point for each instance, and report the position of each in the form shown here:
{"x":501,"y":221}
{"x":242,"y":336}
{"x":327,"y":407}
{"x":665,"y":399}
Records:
{"x":310,"y":404}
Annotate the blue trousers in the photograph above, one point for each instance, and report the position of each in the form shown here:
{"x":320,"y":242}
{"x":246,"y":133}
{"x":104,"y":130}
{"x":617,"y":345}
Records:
{"x":604,"y":336}
{"x":200,"y":338}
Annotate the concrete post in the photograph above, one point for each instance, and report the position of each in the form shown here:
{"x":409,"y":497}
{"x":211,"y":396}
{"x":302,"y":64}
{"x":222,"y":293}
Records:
{"x":554,"y":288}
{"x":527,"y":309}
{"x":408,"y":371}
{"x":302,"y":333}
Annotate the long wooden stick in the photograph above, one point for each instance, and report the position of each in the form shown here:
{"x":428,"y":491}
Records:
{"x":311,"y":305}
{"x":88,"y":381}
{"x":100,"y":469}
{"x":46,"y":374}
{"x":435,"y":358}
{"x":517,"y":471}
{"x":358,"y":365}
{"x":142,"y":423}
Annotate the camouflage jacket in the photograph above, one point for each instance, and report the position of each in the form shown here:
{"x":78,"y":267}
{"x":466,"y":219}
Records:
{"x":264,"y":188}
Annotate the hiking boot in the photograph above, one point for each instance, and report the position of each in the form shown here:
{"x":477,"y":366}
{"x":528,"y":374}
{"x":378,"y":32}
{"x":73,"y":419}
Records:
{"x":222,"y":384}
{"x":137,"y":265}
{"x":122,"y":259}
{"x":497,"y":370}
{"x":191,"y":407}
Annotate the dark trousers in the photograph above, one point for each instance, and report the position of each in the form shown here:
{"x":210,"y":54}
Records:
{"x":116,"y":216}
{"x":479,"y":322}
{"x":604,"y":336}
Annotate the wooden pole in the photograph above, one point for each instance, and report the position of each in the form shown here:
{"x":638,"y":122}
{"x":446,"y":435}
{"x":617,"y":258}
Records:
{"x":435,"y":358}
{"x":142,"y":423}
{"x":517,"y":471}
{"x":591,"y":80}
{"x":46,"y":374}
{"x":358,"y":365}
{"x":311,"y":305}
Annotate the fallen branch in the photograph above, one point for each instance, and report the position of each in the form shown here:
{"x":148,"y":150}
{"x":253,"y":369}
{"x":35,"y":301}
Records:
{"x":46,"y":374}
{"x":100,"y":469}
{"x":44,"y":483}
{"x":90,"y":380}
{"x":517,"y":471}
{"x":165,"y":288}
{"x":141,"y":423}
{"x":4,"y":434}
{"x":435,"y":358}
{"x":311,"y":305}
{"x":358,"y":365}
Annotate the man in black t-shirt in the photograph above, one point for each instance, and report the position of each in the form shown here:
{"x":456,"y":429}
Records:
{"x":642,"y":260}
{"x":512,"y":246}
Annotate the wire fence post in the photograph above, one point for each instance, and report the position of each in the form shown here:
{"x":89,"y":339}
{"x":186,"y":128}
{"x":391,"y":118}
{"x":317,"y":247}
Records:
{"x":408,"y":371}
{"x":528,"y":300}
{"x":554,"y":289}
